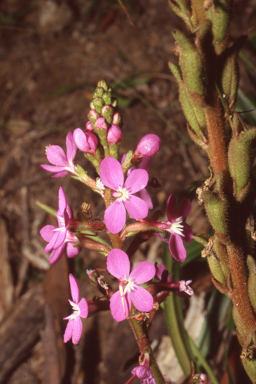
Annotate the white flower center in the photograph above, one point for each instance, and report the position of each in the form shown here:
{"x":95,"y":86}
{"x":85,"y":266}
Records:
{"x":177,"y":226}
{"x":129,"y":284}
{"x":76,"y":310}
{"x":122,"y":194}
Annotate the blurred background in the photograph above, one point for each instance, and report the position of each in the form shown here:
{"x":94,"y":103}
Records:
{"x":52,"y":54}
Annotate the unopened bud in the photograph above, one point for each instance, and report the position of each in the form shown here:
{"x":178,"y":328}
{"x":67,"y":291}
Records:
{"x":103,"y":84}
{"x":117,"y":120}
{"x":98,"y":104}
{"x":85,"y":141}
{"x":93,"y":116}
{"x":107,"y":112}
{"x":101,"y":124}
{"x":115,"y":134}
{"x":107,"y":97}
{"x":89,"y":126}
{"x":98,"y":92}
{"x":148,"y":146}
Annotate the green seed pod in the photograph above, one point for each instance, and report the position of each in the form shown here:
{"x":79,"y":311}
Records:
{"x":191,"y":64}
{"x":180,"y":8}
{"x":240,"y":156}
{"x":98,"y":92}
{"x":107,"y":97}
{"x":230,"y":79}
{"x":98,"y":104}
{"x":217,"y":210}
{"x":243,"y":335}
{"x":252,"y":280}
{"x":219,"y":14}
{"x":103,"y":84}
{"x":221,"y":252}
{"x":216,"y":269}
{"x":250,"y":367}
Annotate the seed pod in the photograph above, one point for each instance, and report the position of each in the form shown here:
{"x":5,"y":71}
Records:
{"x":219,"y":15}
{"x":191,"y":64}
{"x":215,"y":267}
{"x":240,"y":156}
{"x":250,"y":367}
{"x":217,"y":210}
{"x":252,"y":280}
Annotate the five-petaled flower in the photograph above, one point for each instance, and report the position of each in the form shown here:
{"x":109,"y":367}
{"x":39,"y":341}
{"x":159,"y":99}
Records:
{"x":60,"y":238}
{"x":80,"y":309}
{"x":62,"y":163}
{"x":111,"y":175}
{"x":118,"y":265}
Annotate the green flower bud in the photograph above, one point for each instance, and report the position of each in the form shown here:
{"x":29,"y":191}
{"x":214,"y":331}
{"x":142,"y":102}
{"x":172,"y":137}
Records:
{"x":99,"y":91}
{"x":107,"y":97}
{"x":98,"y":104}
{"x":102,"y":84}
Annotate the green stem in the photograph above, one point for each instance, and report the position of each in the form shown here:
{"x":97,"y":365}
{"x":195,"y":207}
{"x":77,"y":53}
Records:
{"x":174,"y":320}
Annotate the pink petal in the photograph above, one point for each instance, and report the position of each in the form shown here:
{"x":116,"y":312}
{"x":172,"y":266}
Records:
{"x":69,"y":330}
{"x":51,"y":243}
{"x":136,"y":180}
{"x":60,"y":174}
{"x":60,"y":239}
{"x":143,"y":272}
{"x":171,"y":208}
{"x":81,"y":140}
{"x":74,"y":288}
{"x":56,"y":155}
{"x":52,"y":168}
{"x":62,"y":201}
{"x":145,"y":163}
{"x":177,"y":247}
{"x":72,"y":251}
{"x":56,"y":254}
{"x":116,"y":307}
{"x":184,"y":208}
{"x":159,"y":272}
{"x":136,"y":207}
{"x":142,"y":299}
{"x":69,"y":211}
{"x":118,"y":263}
{"x":71,"y":147}
{"x":77,"y":330}
{"x":111,"y":173}
{"x":115,"y":217}
{"x":188,"y":234}
{"x":47,"y":232}
{"x":144,"y":195}
{"x":83,"y":306}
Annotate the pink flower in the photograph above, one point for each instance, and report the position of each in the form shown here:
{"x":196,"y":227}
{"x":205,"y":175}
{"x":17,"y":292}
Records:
{"x":115,"y":134}
{"x":89,"y":126}
{"x":118,"y":265}
{"x":80,"y":309}
{"x":111,"y":175}
{"x":148,"y":146}
{"x":60,"y":239}
{"x":101,"y":124}
{"x":183,"y":288}
{"x":145,"y":374}
{"x":85,"y":141}
{"x":62,"y":163}
{"x":176,"y":227}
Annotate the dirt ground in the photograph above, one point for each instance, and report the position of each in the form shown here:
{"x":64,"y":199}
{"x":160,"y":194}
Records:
{"x":52,"y":54}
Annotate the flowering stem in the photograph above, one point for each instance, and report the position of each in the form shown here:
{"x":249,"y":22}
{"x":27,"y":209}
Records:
{"x":143,"y":343}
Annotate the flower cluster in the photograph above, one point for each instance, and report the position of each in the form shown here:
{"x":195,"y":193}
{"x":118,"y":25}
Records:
{"x":122,"y":185}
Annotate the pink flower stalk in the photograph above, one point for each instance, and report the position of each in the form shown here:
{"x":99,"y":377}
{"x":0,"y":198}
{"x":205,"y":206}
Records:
{"x":118,"y":264}
{"x":148,"y":146}
{"x":101,"y":124}
{"x":115,"y":134}
{"x":111,"y":175}
{"x":80,"y":309}
{"x":61,"y":238}
{"x":183,"y":290}
{"x":85,"y":141}
{"x":62,"y":163}
{"x":145,"y":374}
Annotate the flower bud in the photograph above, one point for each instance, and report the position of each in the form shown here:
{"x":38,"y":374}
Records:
{"x":117,"y":120}
{"x":98,"y":104}
{"x":101,"y":124}
{"x":98,"y":92}
{"x":89,"y":126}
{"x":85,"y":141}
{"x":148,"y":146}
{"x":107,"y":112}
{"x":107,"y":97}
{"x":115,"y":134}
{"x":103,"y":84}
{"x":93,"y":116}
